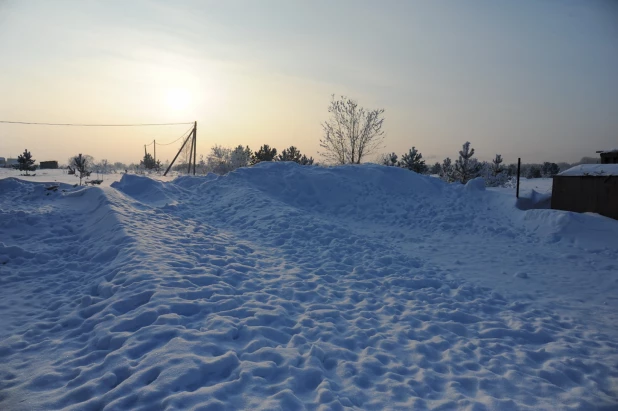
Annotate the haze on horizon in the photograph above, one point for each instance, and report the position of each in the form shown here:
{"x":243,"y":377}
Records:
{"x":530,"y":79}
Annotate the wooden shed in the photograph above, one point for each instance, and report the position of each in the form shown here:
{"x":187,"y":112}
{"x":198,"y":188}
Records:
{"x":587,"y":188}
{"x":48,"y":165}
{"x":609,"y":157}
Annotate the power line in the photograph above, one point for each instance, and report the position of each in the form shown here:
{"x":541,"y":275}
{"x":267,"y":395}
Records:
{"x":91,"y":125}
{"x":183,"y":135}
{"x":179,"y":138}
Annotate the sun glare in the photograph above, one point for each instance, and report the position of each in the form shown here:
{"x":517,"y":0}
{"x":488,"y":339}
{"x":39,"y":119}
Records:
{"x":178,"y":99}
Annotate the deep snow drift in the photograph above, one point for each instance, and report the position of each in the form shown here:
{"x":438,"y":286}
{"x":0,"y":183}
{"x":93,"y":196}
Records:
{"x":289,"y":287}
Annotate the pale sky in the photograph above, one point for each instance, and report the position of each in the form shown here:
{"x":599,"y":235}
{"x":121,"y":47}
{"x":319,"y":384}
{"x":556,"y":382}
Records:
{"x":536,"y":79}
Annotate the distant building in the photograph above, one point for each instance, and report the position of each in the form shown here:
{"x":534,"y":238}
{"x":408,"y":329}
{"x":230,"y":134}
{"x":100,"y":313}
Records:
{"x":586,"y":188}
{"x":9,"y":162}
{"x":52,"y":165}
{"x":609,"y":157}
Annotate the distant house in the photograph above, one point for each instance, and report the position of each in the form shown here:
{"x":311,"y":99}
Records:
{"x":609,"y":157}
{"x":48,"y":165}
{"x":587,"y":188}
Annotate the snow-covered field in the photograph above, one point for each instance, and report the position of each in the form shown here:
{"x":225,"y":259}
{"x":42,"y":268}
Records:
{"x":282,"y":287}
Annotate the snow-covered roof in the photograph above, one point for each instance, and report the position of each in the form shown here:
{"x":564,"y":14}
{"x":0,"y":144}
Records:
{"x":592,"y":170}
{"x":610,"y":151}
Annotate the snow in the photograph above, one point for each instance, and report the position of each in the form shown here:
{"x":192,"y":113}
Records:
{"x":592,"y":170}
{"x":282,"y":287}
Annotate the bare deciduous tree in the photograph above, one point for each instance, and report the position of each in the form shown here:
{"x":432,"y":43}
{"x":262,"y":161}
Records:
{"x":351,"y":132}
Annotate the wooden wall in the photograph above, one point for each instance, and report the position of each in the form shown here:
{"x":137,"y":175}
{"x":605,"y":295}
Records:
{"x":596,"y":194}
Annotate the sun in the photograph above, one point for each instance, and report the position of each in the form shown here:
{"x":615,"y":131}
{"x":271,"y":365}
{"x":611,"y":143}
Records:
{"x":178,"y":99}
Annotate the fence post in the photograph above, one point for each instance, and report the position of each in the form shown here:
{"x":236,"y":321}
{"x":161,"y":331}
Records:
{"x":518,"y":172}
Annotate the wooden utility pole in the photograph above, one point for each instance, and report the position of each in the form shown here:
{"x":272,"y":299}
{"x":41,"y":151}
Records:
{"x":191,"y":150}
{"x":144,"y":150}
{"x":154,"y":142}
{"x":193,"y":139}
{"x":194,"y":145}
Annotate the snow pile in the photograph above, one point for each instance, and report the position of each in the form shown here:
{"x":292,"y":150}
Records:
{"x":289,"y":287}
{"x":592,"y":170}
{"x":533,"y":200}
{"x":146,"y":189}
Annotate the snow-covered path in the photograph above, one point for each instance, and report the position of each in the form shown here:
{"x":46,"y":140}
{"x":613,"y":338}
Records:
{"x":288,"y":287}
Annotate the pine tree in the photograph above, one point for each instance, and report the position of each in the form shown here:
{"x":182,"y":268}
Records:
{"x":149,"y":163}
{"x":389,"y":160}
{"x":82,"y":165}
{"x":289,"y":154}
{"x":466,"y":167}
{"x":448,"y":172}
{"x":265,"y":153}
{"x":497,"y":165}
{"x":413,"y":160}
{"x":305,"y":161}
{"x":25,"y":162}
{"x":293,"y":154}
{"x":436,"y":169}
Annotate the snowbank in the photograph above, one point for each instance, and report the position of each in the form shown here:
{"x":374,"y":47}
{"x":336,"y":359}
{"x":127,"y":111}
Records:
{"x":289,"y":287}
{"x":146,"y":190}
{"x":532,"y":200}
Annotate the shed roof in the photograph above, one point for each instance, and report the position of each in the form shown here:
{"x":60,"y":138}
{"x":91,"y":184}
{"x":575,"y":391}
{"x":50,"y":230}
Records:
{"x":591,"y":170}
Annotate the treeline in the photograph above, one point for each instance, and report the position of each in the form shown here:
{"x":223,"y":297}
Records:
{"x":466,"y":167}
{"x":222,"y":160}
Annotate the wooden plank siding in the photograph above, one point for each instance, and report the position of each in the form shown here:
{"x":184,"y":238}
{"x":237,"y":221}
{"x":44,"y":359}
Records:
{"x":595,"y":194}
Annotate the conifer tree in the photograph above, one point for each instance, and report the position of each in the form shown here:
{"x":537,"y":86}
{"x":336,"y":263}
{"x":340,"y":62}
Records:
{"x":466,"y":167}
{"x":436,"y":169}
{"x":413,"y":160}
{"x":25,"y":162}
{"x":389,"y":160}
{"x":81,"y":163}
{"x":305,"y":161}
{"x":149,"y":163}
{"x":497,"y":165}
{"x":289,"y":154}
{"x":265,"y":153}
{"x":448,"y":172}
{"x":294,"y":154}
